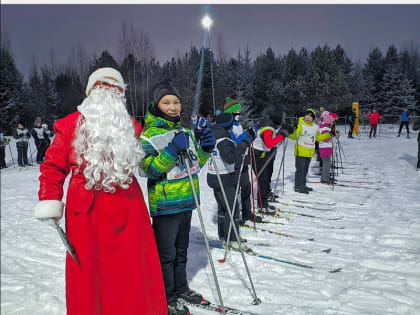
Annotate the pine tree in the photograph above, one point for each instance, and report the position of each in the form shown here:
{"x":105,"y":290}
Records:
{"x":397,"y":92}
{"x":11,"y":92}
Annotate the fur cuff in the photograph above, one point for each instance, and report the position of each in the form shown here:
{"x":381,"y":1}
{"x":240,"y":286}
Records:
{"x":48,"y":209}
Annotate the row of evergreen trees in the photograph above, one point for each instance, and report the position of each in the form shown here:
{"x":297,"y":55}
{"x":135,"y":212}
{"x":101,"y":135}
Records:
{"x":288,"y":83}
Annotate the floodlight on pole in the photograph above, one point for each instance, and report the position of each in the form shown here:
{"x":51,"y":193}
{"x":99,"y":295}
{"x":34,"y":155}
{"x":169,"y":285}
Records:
{"x":206,"y":22}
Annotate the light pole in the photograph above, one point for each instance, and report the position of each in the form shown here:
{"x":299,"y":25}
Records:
{"x":206,"y":22}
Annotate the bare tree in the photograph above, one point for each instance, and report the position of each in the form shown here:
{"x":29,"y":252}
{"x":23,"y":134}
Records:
{"x":133,"y":40}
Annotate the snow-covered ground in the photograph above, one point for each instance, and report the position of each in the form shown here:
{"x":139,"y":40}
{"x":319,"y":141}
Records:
{"x":373,"y":232}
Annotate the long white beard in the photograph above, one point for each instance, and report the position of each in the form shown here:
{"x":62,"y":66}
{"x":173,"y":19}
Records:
{"x":106,"y":141}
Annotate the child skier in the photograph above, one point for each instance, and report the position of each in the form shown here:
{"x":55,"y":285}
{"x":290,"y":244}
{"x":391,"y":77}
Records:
{"x":266,"y":142}
{"x":238,"y":135}
{"x":225,"y":154}
{"x":326,"y":146}
{"x":171,"y":199}
{"x":306,"y":133}
{"x":374,"y":119}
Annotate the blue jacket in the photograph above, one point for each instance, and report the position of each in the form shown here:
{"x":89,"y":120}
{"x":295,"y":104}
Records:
{"x":405,"y":116}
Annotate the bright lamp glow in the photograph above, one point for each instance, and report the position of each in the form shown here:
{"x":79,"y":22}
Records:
{"x":206,"y":22}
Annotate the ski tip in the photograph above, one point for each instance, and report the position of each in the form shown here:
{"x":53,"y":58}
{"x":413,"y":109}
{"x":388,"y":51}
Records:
{"x":327,"y":251}
{"x":222,"y":261}
{"x":336,"y":270}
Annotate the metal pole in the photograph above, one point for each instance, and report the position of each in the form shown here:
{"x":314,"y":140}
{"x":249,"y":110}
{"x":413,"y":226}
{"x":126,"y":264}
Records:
{"x":256,"y":300}
{"x":203,"y":229}
{"x":234,"y":202}
{"x":11,"y":154}
{"x":281,"y":166}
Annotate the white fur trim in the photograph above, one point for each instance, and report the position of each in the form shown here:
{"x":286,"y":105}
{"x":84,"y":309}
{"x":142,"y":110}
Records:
{"x":47,"y":209}
{"x":101,"y":74}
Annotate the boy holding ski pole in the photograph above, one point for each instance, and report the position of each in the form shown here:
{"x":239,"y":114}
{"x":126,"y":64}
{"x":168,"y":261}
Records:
{"x":225,"y":155}
{"x":171,"y":198}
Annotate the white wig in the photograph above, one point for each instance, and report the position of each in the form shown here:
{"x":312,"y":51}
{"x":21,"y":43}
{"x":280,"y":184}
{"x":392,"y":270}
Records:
{"x":106,"y":146}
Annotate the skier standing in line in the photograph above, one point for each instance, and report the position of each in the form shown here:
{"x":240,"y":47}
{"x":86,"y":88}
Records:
{"x":117,"y":269}
{"x":41,"y":141}
{"x":225,"y":155}
{"x":269,"y":136}
{"x":325,"y":146}
{"x":3,"y":143}
{"x":239,"y":135}
{"x":306,"y":133}
{"x":405,"y":118}
{"x":22,"y":135}
{"x":351,"y":118}
{"x":171,"y":199}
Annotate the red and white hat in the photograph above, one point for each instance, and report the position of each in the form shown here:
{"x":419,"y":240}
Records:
{"x":107,"y":75}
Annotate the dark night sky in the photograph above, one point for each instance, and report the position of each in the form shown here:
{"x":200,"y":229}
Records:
{"x":34,"y":30}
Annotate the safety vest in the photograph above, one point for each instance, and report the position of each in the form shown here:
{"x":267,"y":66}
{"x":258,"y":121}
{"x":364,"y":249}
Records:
{"x":326,"y":143}
{"x":179,"y":169}
{"x":308,"y":136}
{"x":222,"y":167}
{"x":39,"y":132}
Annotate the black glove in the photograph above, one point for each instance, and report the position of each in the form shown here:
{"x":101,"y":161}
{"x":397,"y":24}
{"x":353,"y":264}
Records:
{"x":333,"y":131}
{"x":251,"y":133}
{"x":180,"y":143}
{"x":207,"y":140}
{"x":283,"y":132}
{"x":290,"y":129}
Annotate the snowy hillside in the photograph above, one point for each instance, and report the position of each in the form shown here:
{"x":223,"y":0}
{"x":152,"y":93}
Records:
{"x":370,"y":228}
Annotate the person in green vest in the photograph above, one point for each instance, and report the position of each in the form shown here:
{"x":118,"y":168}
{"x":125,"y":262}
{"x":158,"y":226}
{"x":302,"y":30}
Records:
{"x":306,"y":133}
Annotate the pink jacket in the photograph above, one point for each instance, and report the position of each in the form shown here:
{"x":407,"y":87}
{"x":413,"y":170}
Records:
{"x":325,"y":147}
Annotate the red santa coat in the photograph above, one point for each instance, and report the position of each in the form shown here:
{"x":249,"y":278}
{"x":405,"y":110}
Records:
{"x":119,"y":270}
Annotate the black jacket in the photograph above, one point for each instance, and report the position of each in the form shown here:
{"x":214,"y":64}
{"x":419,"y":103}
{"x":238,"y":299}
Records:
{"x":229,"y":153}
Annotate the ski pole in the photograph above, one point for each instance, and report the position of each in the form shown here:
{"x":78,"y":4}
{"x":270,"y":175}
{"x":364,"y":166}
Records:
{"x":203,"y":229}
{"x":254,"y":168}
{"x":278,"y":174}
{"x":256,"y":300}
{"x":234,"y":202}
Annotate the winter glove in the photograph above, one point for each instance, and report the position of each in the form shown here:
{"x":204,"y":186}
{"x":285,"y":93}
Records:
{"x":251,"y":133}
{"x":207,"y":140}
{"x":49,"y":209}
{"x":180,"y":143}
{"x":283,"y":132}
{"x":290,"y":129}
{"x":333,"y":132}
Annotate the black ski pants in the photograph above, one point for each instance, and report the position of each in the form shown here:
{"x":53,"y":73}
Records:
{"x":245,"y":186}
{"x":41,"y":148}
{"x":172,"y":234}
{"x":264,"y":177}
{"x":22,"y":149}
{"x":406,"y":126}
{"x":302,"y":167}
{"x":223,"y":218}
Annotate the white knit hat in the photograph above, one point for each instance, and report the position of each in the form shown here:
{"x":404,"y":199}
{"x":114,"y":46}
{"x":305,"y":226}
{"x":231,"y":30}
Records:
{"x":103,"y":74}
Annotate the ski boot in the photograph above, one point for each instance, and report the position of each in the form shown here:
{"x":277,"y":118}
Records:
{"x":191,"y":296}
